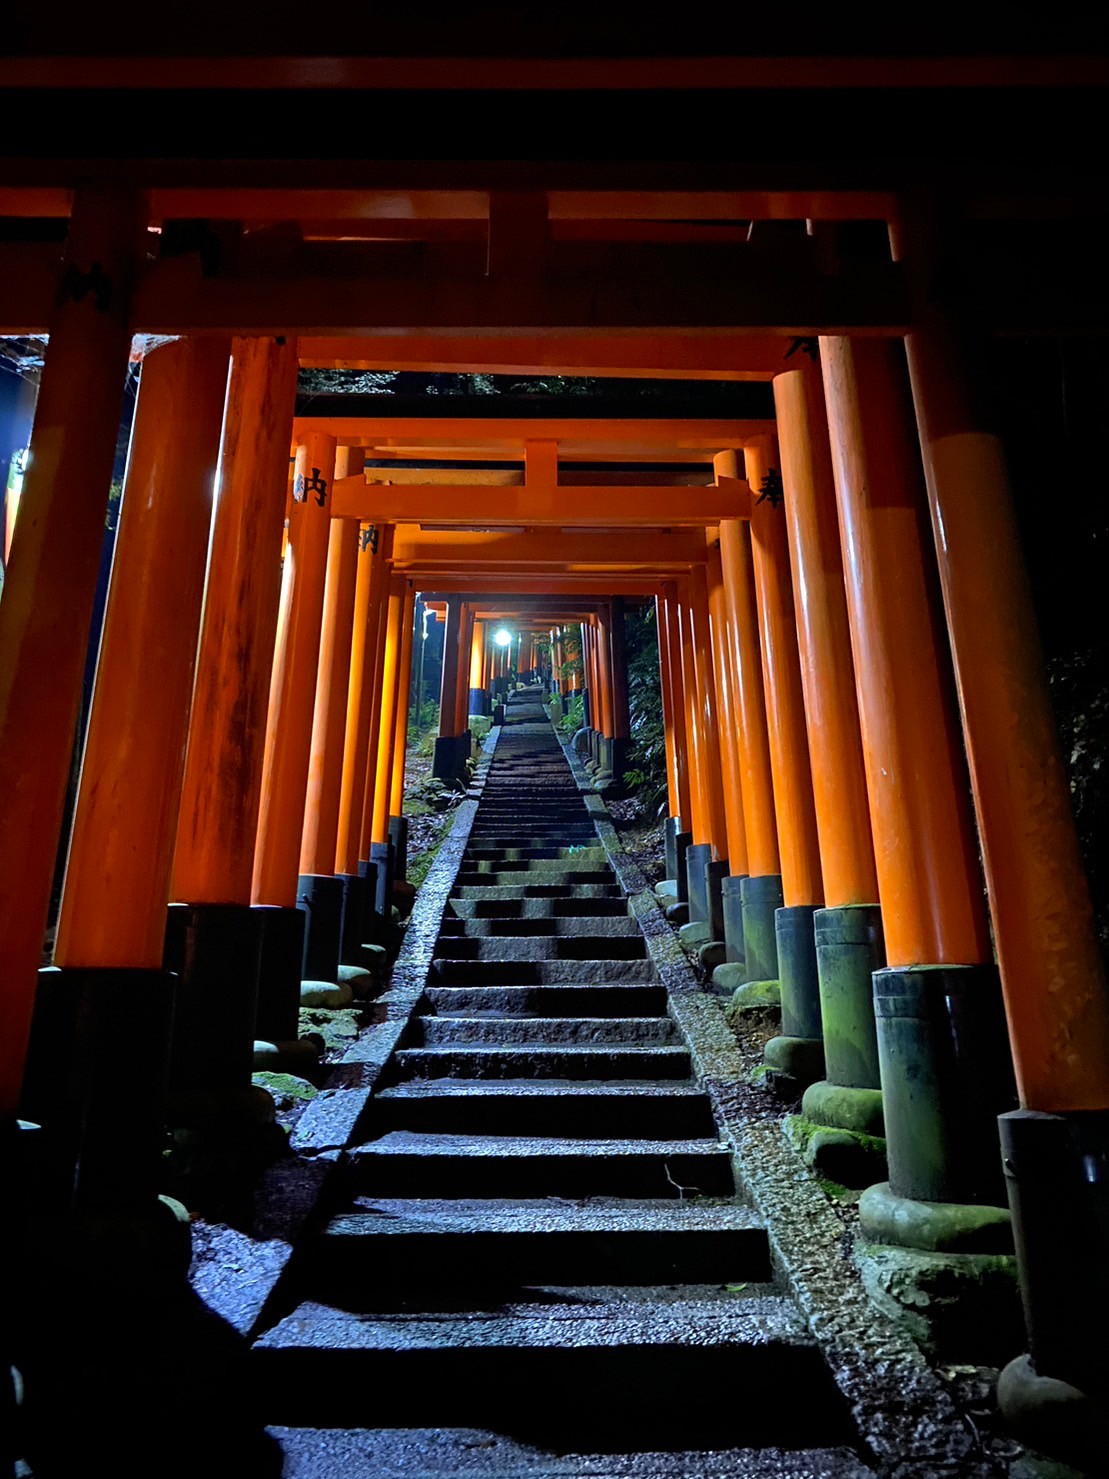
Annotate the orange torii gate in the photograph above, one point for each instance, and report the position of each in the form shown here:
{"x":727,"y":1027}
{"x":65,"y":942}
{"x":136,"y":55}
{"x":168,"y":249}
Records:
{"x":756,"y":639}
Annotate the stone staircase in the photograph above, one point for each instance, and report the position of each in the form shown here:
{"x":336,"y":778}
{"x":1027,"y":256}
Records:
{"x":543,"y":1268}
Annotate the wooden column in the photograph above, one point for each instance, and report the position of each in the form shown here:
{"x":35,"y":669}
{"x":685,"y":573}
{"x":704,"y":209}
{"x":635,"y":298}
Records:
{"x":462,"y":678}
{"x":325,"y":767}
{"x":51,"y":582}
{"x":798,"y":847}
{"x":824,"y":641}
{"x":697,"y":822}
{"x":448,"y":687}
{"x":673,"y":798}
{"x":727,"y":716}
{"x":390,"y":673}
{"x":404,"y":681}
{"x":925,"y":847}
{"x":375,"y":548}
{"x":708,"y":745}
{"x":759,"y":819}
{"x":677,"y":701}
{"x":121,"y":852}
{"x":477,"y":659}
{"x":293,"y":685}
{"x":1052,"y":969}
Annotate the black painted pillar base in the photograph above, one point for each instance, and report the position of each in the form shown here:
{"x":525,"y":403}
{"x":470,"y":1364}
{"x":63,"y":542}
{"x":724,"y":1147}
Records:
{"x":797,"y":1055}
{"x":373,"y":926}
{"x":761,"y":898}
{"x":354,"y":903}
{"x":320,"y":897}
{"x":946,"y":1073}
{"x":278,"y":1013}
{"x":398,"y":836}
{"x":95,"y":1081}
{"x":1057,"y":1173}
{"x":670,"y":829}
{"x":479,"y":702}
{"x":586,"y":709}
{"x":731,"y":907}
{"x":683,"y":841}
{"x":451,"y":753}
{"x":215,"y":950}
{"x":381,"y":855}
{"x":698,"y":855}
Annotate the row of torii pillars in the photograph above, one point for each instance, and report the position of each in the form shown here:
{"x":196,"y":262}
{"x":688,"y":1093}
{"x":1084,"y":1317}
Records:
{"x":817,"y":745}
{"x":585,"y":659}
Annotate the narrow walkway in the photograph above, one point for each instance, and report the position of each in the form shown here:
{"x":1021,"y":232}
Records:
{"x":544,"y":1269}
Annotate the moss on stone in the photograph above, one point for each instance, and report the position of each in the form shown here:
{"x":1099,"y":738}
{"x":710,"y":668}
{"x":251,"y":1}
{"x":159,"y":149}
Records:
{"x":286,"y":1088}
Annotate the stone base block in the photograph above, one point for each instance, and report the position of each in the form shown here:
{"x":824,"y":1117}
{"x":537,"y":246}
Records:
{"x":710,"y":955}
{"x":857,"y":1110}
{"x":677,"y":914}
{"x":938,"y":1227}
{"x":693,"y":935}
{"x":798,"y":1060}
{"x":667,"y":891}
{"x":749,"y":996}
{"x":957,"y":1306}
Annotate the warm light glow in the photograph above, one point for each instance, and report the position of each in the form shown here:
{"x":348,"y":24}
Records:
{"x":503,"y":638}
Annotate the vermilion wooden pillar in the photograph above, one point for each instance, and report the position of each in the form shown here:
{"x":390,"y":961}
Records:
{"x":1052,"y":970}
{"x":293,"y":686}
{"x":798,"y":1052}
{"x":462,"y":679}
{"x":677,"y":702}
{"x":117,"y":882}
{"x":672,"y":792}
{"x":477,"y":701}
{"x":325,"y":769}
{"x":398,"y":823}
{"x":849,"y":945}
{"x":697,"y":821}
{"x":318,"y":886}
{"x":352,"y":866}
{"x":940,"y":1031}
{"x":706,"y":860}
{"x":108,"y":981}
{"x":726,"y":716}
{"x":50,"y":583}
{"x":448,"y":751}
{"x":215,"y":939}
{"x":750,"y":904}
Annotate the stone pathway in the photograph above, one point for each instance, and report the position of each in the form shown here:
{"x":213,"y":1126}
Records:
{"x":543,"y":1267}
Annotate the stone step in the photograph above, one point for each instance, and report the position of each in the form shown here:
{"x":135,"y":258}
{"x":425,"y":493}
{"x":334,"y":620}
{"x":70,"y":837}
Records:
{"x":498,"y":876}
{"x":587,"y":972}
{"x":554,"y":853}
{"x":492,"y":890}
{"x":552,"y":1107}
{"x":514,"y":907}
{"x":577,"y":1062}
{"x":560,"y":1372}
{"x":405,"y":1164}
{"x":591,"y":861}
{"x":437,"y":1032}
{"x":537,"y":948}
{"x":381,"y":1248}
{"x":436,"y":1453}
{"x":619,"y":925}
{"x":636,"y":1000}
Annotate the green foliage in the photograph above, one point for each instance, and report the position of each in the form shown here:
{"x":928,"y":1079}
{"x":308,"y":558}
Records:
{"x":574,"y":717}
{"x":423,"y":723}
{"x":647,"y":755}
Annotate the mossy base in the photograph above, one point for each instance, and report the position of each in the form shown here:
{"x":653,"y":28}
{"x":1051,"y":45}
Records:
{"x":842,"y":1156}
{"x":753,"y":996}
{"x":959,"y":1306}
{"x":936,"y":1227}
{"x":859,"y":1110}
{"x":710,"y":955}
{"x":798,"y":1060}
